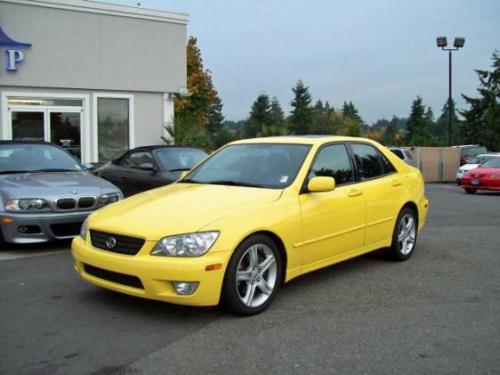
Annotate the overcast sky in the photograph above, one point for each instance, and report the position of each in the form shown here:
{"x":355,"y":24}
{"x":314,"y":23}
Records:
{"x":378,"y":54}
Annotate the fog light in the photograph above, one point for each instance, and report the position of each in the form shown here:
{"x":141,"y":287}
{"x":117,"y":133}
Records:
{"x":185,"y":288}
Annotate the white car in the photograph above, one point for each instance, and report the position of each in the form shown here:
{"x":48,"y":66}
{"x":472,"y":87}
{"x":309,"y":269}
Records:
{"x":474,"y":163}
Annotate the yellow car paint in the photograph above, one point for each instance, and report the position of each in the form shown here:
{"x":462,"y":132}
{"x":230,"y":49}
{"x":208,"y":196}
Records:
{"x":313,"y":230}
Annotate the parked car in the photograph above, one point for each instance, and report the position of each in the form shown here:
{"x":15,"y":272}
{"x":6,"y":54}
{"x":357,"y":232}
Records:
{"x":149,"y":167}
{"x":251,"y":216}
{"x":485,"y":177}
{"x":474,"y":163}
{"x":469,"y":152}
{"x":403,"y":154}
{"x":45,"y":194}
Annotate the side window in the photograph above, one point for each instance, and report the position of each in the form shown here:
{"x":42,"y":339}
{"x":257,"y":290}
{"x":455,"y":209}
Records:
{"x":368,"y":161}
{"x":333,"y":161}
{"x":139,"y":159}
{"x":388,"y":167}
{"x":399,"y":154}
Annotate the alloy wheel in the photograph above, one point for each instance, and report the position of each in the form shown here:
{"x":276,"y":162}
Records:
{"x":256,"y":275}
{"x":407,"y":234}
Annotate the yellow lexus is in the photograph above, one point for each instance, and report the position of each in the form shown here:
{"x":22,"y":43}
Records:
{"x":255,"y":214}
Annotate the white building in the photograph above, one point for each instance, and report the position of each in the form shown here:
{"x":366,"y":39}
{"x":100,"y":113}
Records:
{"x":93,"y":77}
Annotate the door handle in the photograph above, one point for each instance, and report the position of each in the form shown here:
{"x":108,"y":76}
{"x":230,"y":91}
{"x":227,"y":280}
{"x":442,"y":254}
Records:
{"x":396,"y":183}
{"x":354,"y":193}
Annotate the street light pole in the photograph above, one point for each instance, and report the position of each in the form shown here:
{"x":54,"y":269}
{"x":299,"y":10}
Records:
{"x":457,"y":44}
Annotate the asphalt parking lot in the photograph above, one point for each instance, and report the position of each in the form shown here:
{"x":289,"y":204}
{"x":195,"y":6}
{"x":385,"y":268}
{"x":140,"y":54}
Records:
{"x":437,"y":313}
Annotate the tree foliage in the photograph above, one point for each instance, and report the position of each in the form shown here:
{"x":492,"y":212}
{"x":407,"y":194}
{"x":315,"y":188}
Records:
{"x":482,"y":119}
{"x":302,"y":113}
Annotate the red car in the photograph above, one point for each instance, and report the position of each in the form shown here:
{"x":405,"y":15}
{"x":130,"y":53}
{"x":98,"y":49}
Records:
{"x":485,"y":177}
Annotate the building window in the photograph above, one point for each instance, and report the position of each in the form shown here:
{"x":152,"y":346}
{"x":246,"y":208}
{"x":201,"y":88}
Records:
{"x":113,"y":115}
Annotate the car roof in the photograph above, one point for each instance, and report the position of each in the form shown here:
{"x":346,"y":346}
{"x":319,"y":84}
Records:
{"x":156,"y":147}
{"x":302,"y":139}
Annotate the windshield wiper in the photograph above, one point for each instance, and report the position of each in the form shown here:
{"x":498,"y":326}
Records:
{"x":233,"y":183}
{"x":54,"y":170}
{"x":14,"y":172}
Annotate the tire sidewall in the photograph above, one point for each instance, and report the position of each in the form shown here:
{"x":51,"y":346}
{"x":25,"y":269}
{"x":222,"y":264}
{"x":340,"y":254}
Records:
{"x":230,"y":297}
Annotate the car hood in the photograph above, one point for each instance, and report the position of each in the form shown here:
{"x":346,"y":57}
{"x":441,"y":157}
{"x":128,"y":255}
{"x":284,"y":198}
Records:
{"x":482,"y":172}
{"x":468,"y":167}
{"x":177,"y":208}
{"x":42,"y":185}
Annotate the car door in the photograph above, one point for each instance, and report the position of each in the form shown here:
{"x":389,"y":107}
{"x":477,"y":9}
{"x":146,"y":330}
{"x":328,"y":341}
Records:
{"x":381,"y":186}
{"x":117,"y":174}
{"x":332,"y":222}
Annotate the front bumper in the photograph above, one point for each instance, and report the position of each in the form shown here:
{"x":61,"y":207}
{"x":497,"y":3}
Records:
{"x":492,"y":184}
{"x":42,"y":227}
{"x":156,"y":273}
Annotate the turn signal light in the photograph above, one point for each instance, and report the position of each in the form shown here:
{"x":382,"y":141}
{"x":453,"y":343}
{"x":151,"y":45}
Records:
{"x":213,"y":267}
{"x":7,"y":220}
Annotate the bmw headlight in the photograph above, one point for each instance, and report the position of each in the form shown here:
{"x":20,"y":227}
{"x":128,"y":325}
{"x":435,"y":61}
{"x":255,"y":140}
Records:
{"x":106,"y":199}
{"x":185,"y":245}
{"x":26,"y":204}
{"x":83,"y":230}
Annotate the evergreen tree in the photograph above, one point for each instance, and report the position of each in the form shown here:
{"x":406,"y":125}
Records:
{"x":215,"y":117}
{"x":260,"y":115}
{"x":440,"y":128}
{"x":277,"y":114}
{"x":349,"y":110}
{"x":302,"y":113}
{"x":418,"y":130}
{"x":482,"y":120}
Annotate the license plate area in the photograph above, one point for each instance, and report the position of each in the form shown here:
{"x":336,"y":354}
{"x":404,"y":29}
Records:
{"x":474,"y":182}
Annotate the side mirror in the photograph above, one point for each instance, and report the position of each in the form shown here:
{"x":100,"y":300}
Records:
{"x":321,"y":184}
{"x":147,"y":166}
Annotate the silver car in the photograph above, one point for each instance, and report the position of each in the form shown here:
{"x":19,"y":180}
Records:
{"x":45,"y":194}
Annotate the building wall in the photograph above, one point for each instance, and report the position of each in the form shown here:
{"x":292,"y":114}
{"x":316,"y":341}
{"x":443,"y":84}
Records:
{"x":85,"y":50}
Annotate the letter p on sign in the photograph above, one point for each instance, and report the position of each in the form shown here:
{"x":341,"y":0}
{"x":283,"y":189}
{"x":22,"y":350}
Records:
{"x":14,"y":57}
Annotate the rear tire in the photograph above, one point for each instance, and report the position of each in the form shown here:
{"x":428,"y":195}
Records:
{"x":253,"y":276}
{"x":470,"y":191}
{"x":404,"y":237}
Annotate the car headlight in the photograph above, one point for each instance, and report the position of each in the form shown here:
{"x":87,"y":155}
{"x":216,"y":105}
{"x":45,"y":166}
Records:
{"x":106,"y":199}
{"x":495,"y":175}
{"x":83,"y":230}
{"x":26,"y":204}
{"x":185,"y":245}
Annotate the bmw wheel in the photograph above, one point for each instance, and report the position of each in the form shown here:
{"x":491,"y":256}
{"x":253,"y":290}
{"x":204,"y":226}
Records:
{"x":404,"y":237}
{"x":253,"y":276}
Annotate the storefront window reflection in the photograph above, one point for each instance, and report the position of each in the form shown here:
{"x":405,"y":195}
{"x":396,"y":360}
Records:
{"x":113,"y":127}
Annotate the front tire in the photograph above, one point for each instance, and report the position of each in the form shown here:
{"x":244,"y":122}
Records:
{"x":253,"y":276}
{"x":404,"y":237}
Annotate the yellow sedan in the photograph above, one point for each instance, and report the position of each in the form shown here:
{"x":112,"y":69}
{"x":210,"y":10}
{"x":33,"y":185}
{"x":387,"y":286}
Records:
{"x":255,"y":214}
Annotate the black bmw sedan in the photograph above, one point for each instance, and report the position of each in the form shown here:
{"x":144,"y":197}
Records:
{"x":149,"y":167}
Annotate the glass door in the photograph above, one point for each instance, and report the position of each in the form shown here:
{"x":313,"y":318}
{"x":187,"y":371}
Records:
{"x":28,"y":124}
{"x":65,"y":129}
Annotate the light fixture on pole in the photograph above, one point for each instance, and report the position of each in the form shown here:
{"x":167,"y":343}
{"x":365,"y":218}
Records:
{"x":442,"y":43}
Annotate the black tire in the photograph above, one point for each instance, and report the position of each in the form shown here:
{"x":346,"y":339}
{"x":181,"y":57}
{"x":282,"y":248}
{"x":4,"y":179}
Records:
{"x":395,"y":251}
{"x":470,"y":191}
{"x":230,"y":290}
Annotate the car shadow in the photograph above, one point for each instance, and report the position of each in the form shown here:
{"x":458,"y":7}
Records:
{"x":34,"y":248}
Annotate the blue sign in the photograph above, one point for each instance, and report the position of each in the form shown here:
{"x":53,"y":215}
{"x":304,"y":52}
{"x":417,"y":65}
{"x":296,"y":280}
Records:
{"x":13,"y":51}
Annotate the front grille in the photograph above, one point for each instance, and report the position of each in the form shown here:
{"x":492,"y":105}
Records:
{"x":86,"y":202}
{"x":123,"y":244}
{"x":66,"y":203}
{"x":115,"y":277}
{"x":66,"y":229}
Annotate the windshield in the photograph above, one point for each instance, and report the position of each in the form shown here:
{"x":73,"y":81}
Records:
{"x":492,"y":163}
{"x":178,"y":159}
{"x":21,"y":158}
{"x":480,"y":159}
{"x":257,"y":165}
